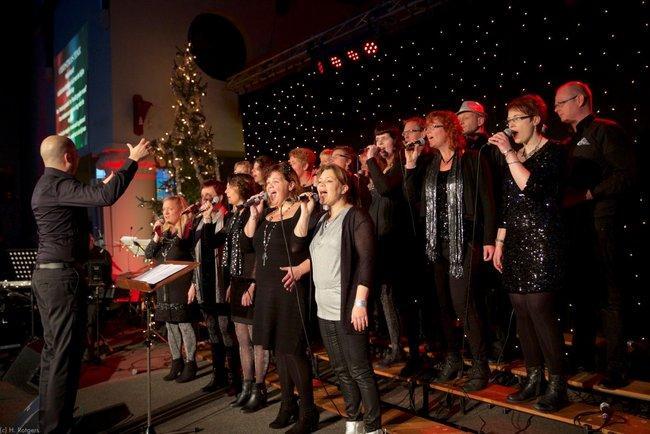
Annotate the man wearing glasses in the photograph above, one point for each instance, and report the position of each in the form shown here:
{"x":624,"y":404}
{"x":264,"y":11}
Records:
{"x":601,"y":171}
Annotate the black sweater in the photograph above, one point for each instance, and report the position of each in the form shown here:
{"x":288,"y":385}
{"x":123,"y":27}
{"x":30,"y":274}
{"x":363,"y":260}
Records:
{"x":485,"y":216}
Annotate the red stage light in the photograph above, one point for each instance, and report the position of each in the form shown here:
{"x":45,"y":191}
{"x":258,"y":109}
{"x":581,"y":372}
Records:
{"x":353,"y":55}
{"x":336,"y":62}
{"x":320,"y":67}
{"x":370,"y":48}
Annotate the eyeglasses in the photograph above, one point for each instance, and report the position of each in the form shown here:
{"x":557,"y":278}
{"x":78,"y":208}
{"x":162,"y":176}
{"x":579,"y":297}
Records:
{"x":516,"y":119}
{"x":347,"y":157}
{"x":432,"y":126}
{"x":559,"y":103}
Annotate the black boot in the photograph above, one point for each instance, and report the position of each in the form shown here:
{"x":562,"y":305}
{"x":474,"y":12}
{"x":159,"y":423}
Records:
{"x":257,"y":399}
{"x":174,"y":370}
{"x":533,"y":386}
{"x":392,"y":356}
{"x":478,"y":375}
{"x":307,"y":421}
{"x":453,"y":364}
{"x":244,"y":395}
{"x":189,"y":372}
{"x":218,"y":369}
{"x":287,"y":415}
{"x":233,"y":378}
{"x":555,"y":397}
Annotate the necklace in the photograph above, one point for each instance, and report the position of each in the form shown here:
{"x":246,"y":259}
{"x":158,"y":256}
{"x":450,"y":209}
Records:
{"x":525,"y":155}
{"x":266,"y":238}
{"x":447,"y":161}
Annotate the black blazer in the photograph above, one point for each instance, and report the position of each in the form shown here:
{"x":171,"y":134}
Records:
{"x":485,"y":215}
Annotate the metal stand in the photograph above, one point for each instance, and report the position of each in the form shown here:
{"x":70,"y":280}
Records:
{"x":147,"y":341}
{"x":98,"y":336}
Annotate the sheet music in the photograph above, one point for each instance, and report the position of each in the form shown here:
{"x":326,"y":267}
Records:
{"x":159,"y":273}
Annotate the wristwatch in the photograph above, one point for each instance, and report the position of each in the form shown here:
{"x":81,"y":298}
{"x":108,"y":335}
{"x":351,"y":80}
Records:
{"x":360,"y":303}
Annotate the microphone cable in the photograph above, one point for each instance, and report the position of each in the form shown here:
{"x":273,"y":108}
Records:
{"x":310,"y":353}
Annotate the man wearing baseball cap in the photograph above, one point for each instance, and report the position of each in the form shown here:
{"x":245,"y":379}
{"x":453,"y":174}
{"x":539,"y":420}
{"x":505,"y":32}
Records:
{"x":473,"y":119}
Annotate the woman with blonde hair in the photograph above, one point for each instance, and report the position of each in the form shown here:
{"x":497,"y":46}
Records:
{"x":459,"y":216}
{"x":172,"y":240}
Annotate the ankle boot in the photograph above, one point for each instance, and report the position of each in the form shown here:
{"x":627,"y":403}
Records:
{"x":233,"y":378}
{"x":218,"y":379}
{"x":449,"y":371}
{"x":479,"y":375}
{"x":532,"y":387}
{"x":392,"y":356}
{"x":189,"y":372}
{"x":174,"y":370}
{"x":257,"y":399}
{"x":307,"y":421}
{"x":287,"y":415}
{"x":555,"y":397}
{"x":244,"y":395}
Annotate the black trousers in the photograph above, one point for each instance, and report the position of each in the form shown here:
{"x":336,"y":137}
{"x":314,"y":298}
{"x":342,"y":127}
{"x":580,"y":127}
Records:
{"x":61,"y":297}
{"x":350,"y":360}
{"x":598,"y":290}
{"x":452,"y":300}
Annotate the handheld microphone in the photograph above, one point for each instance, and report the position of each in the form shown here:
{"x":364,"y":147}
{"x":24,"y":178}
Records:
{"x":196,"y":206}
{"x":508,"y":132}
{"x":414,"y":143}
{"x":304,"y":197}
{"x":254,"y":200}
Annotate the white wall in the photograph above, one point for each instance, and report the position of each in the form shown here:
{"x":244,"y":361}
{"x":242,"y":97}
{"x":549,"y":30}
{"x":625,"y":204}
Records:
{"x":144,"y":37}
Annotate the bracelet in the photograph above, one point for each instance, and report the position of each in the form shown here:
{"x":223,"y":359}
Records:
{"x":360,"y":303}
{"x":513,"y":162}
{"x":508,"y":151}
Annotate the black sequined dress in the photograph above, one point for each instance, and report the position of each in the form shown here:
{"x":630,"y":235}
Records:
{"x":533,"y":248}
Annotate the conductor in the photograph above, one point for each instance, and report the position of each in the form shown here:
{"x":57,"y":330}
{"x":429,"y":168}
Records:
{"x":58,"y":202}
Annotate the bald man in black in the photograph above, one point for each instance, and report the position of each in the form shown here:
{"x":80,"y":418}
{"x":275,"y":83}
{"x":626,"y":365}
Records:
{"x":59,"y":204}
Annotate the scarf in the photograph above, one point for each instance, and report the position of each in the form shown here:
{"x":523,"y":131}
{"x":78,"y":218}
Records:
{"x":455,"y":211}
{"x":232,"y":252}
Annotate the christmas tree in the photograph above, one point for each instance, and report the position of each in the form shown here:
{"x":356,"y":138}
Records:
{"x":187,"y":151}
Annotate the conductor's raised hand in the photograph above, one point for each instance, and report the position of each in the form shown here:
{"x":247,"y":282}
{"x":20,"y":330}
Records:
{"x":139,"y":151}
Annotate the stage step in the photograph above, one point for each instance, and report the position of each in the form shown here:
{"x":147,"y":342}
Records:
{"x":589,"y":381}
{"x":393,"y":419}
{"x":496,"y":394}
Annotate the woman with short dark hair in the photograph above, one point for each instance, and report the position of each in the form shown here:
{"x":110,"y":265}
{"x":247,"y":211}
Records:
{"x":529,"y":249}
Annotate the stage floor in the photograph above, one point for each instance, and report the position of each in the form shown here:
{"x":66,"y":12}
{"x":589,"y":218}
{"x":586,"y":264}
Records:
{"x":117,"y":388}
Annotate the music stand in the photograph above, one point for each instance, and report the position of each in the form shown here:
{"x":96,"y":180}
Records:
{"x":147,"y":283}
{"x":23,"y":262}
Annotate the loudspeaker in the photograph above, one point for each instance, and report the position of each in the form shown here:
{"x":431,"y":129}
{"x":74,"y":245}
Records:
{"x":24,"y":372}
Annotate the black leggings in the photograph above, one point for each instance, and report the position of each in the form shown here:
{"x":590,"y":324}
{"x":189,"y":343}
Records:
{"x":539,"y":330}
{"x":294,"y":371}
{"x":350,"y":360}
{"x":452,"y":300}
